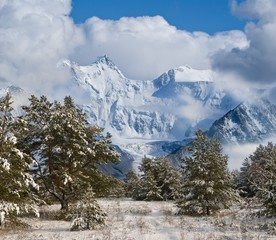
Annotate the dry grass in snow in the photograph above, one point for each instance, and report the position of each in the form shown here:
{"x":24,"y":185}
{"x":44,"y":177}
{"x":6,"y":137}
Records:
{"x":129,"y":220}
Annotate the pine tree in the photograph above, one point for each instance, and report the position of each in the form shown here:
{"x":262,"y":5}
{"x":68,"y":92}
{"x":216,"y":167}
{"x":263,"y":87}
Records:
{"x":206,"y":182}
{"x":158,"y":180}
{"x":150,"y":190}
{"x":16,"y":183}
{"x":244,"y":185}
{"x":168,"y":179}
{"x":65,"y":148}
{"x":261,"y":175}
{"x":132,"y":185}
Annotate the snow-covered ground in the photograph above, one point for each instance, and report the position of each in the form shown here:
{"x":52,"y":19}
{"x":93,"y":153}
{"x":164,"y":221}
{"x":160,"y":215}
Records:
{"x":149,"y":220}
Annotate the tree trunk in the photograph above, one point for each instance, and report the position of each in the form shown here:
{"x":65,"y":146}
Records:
{"x":208,"y":210}
{"x":64,"y":204}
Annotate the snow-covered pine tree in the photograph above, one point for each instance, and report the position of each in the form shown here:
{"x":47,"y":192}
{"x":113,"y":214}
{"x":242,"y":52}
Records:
{"x":150,"y":190}
{"x":261,"y":175}
{"x":244,"y":186}
{"x":206,"y":182}
{"x":168,"y":179}
{"x":132,"y":185}
{"x":157,"y":180}
{"x":66,"y":149}
{"x":16,"y":183}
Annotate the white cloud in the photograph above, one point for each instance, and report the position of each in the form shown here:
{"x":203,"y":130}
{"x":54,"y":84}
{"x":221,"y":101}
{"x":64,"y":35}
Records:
{"x":263,"y":10}
{"x":193,"y":110}
{"x":237,"y":154}
{"x":145,"y":47}
{"x":237,"y":87}
{"x":34,"y":36}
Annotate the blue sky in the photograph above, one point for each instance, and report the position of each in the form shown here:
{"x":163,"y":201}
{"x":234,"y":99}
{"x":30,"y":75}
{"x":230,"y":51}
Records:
{"x":192,"y":15}
{"x":144,"y":39}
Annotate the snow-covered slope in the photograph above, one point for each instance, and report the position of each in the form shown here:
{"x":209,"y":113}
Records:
{"x":252,"y":122}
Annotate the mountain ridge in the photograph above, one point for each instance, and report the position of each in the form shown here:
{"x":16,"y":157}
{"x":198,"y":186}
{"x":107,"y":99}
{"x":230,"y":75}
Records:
{"x":250,"y":122}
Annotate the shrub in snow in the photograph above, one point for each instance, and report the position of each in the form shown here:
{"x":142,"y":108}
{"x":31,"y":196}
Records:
{"x":87,"y":214}
{"x":9,"y":213}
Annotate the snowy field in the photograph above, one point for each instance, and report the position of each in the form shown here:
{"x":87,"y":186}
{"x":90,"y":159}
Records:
{"x":149,"y":220}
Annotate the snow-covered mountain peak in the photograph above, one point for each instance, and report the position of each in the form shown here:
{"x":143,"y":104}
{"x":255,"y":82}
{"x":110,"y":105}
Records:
{"x":104,"y":63}
{"x":122,"y":106}
{"x":188,"y":74}
{"x":105,"y":60}
{"x":103,"y":70}
{"x":184,"y":74}
{"x":184,"y":80}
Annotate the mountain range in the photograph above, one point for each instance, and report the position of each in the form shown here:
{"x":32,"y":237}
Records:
{"x":149,"y":109}
{"x":157,"y":117}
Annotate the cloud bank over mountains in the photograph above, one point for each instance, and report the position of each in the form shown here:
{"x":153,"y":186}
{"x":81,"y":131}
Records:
{"x":36,"y":34}
{"x":145,"y":47}
{"x":255,"y":64}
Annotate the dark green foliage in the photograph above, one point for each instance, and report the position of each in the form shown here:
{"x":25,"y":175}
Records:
{"x":150,"y":191}
{"x":244,"y":186}
{"x":158,"y":181}
{"x":168,"y":179}
{"x":206,"y":184}
{"x":132,"y":185}
{"x":235,"y":175}
{"x":66,"y":150}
